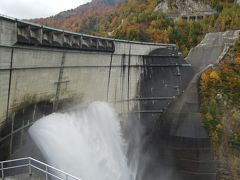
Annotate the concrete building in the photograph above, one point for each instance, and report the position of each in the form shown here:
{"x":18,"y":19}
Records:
{"x":187,"y":9}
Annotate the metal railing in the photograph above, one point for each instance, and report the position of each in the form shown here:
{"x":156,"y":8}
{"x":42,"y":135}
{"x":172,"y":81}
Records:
{"x":30,"y":165}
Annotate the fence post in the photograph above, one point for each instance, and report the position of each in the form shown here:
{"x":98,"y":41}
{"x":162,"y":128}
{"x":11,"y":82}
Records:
{"x":11,"y":137}
{"x":29,"y":167}
{"x":66,"y":177}
{"x":22,"y":133}
{"x":46,"y":173}
{"x":2,"y":171}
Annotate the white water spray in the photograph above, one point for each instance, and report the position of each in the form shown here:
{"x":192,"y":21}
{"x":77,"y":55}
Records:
{"x":87,"y":144}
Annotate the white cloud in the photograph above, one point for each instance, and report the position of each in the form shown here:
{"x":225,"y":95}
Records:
{"x":23,"y":9}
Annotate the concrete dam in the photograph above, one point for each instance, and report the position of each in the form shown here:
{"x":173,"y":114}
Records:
{"x":43,"y":70}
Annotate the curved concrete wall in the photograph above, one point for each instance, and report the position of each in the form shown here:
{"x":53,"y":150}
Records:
{"x":36,"y":79}
{"x":31,"y":74}
{"x":142,"y":78}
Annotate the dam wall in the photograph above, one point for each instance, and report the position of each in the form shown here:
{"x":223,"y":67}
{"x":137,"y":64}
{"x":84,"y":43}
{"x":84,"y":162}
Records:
{"x":34,"y":75}
{"x":31,"y":74}
{"x":44,"y":69}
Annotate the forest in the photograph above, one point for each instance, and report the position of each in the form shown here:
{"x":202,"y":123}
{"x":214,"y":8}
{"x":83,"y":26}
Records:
{"x":219,"y":92}
{"x":138,"y":20}
{"x":220,"y":109}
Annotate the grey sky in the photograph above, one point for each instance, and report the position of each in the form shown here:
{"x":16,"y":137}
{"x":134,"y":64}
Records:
{"x":36,"y":8}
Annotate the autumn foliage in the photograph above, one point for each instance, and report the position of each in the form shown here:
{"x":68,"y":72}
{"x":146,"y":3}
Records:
{"x":138,"y":20}
{"x":220,"y":94}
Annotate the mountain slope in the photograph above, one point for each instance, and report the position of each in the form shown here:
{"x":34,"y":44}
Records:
{"x":220,"y":107}
{"x":82,"y":19}
{"x":141,"y":20}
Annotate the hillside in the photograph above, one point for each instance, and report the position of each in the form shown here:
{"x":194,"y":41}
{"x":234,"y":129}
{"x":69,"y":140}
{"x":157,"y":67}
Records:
{"x":142,"y":20}
{"x":82,"y":19}
{"x":139,"y":20}
{"x":220,"y":108}
{"x":180,"y":8}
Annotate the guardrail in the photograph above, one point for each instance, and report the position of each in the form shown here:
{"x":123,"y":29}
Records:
{"x":28,"y":165}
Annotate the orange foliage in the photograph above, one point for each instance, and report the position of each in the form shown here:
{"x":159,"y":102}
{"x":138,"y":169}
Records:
{"x":78,"y":19}
{"x":225,"y":67}
{"x":205,"y":75}
{"x":214,"y":75}
{"x":237,"y":59}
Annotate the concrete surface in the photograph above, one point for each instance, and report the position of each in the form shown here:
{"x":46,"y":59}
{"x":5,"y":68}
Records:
{"x":24,"y":177}
{"x":191,"y":144}
{"x":36,"y":80}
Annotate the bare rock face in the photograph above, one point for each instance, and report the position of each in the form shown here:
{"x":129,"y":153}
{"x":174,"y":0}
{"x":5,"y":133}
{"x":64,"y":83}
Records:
{"x":191,"y":7}
{"x":162,"y":6}
{"x":180,"y":8}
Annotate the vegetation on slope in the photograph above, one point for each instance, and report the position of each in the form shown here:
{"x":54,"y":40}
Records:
{"x":219,"y":92}
{"x":220,"y":108}
{"x":82,"y":19}
{"x":138,"y":20}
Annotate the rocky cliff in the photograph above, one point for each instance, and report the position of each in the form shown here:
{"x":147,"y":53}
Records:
{"x":181,"y":8}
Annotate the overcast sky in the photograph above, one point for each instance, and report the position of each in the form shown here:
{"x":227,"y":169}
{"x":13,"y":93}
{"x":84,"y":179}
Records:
{"x":24,"y":9}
